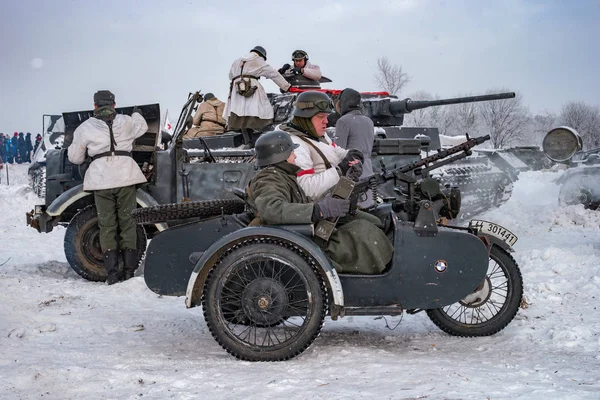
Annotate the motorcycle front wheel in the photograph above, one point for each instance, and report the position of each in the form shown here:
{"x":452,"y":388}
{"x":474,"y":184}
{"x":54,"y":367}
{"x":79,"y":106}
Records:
{"x":491,"y":306}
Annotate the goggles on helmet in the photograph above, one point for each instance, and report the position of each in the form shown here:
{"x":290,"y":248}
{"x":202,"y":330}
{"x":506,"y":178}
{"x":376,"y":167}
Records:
{"x":299,"y":55}
{"x":321,"y":105}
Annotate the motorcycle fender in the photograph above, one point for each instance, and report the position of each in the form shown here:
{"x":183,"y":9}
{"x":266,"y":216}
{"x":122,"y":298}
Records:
{"x":68,"y":198}
{"x":208,"y":259}
{"x":491,"y":240}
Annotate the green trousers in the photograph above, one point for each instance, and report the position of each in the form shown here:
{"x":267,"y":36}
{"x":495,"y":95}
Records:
{"x":117,"y":226}
{"x":358,"y":246}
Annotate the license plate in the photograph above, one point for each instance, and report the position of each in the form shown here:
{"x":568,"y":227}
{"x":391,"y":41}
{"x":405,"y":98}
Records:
{"x":495,"y":230}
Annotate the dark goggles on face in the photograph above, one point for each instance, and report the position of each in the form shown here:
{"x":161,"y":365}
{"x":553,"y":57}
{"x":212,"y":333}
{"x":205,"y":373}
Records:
{"x":321,"y":105}
{"x":299,"y":55}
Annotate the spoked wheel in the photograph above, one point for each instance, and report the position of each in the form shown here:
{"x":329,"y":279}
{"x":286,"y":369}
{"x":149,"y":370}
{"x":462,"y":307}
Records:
{"x":264,"y":301}
{"x":492,"y":305}
{"x":572,"y":194}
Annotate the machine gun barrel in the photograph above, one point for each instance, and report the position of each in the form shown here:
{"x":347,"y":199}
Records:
{"x":407,"y":105}
{"x":425,"y":162}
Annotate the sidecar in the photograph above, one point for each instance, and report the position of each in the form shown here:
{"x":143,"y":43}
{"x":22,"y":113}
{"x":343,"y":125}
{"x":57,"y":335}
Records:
{"x":265,"y":291}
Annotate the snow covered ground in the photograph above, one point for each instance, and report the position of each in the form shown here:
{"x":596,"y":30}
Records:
{"x":66,"y":338}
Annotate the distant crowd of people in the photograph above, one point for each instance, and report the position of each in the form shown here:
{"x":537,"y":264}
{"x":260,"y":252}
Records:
{"x":19,"y":148}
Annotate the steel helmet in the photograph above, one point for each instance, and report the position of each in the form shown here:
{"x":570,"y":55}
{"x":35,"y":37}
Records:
{"x":299,"y":55}
{"x":310,"y":103}
{"x":260,"y":51}
{"x":273,"y":147}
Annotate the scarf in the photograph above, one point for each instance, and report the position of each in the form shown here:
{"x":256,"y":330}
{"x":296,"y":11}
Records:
{"x":105,"y":113}
{"x":305,"y":125}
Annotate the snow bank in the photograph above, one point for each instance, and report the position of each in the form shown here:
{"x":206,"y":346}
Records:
{"x":66,"y":338}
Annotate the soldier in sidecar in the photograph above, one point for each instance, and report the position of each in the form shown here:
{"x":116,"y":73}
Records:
{"x":265,"y":290}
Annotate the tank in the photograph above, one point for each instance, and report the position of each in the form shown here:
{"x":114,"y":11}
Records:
{"x":484,"y":179}
{"x":580,"y":183}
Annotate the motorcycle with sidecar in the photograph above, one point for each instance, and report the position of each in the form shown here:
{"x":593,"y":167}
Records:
{"x":266,"y":290}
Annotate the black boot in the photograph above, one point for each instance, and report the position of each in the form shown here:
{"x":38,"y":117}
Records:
{"x":111,"y":263}
{"x":130,"y":262}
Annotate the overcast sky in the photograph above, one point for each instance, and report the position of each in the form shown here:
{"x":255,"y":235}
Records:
{"x":56,"y":54}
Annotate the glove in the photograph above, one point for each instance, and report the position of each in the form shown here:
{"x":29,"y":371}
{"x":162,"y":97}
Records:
{"x":354,"y":172}
{"x":282,"y":91}
{"x":297,"y":70}
{"x":284,"y":68}
{"x":355,"y":154}
{"x":136,"y":109}
{"x":331,"y":207}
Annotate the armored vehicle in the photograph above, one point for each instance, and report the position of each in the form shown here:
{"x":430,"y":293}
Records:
{"x":265,"y":290}
{"x":580,"y":183}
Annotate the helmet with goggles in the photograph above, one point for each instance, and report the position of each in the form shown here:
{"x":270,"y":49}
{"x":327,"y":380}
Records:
{"x":310,"y":103}
{"x":299,"y":55}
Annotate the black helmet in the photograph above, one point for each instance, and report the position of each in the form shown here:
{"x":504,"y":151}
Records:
{"x":104,"y":98}
{"x":260,"y":51}
{"x":310,"y":103}
{"x":273,"y":147}
{"x":208,"y":96}
{"x":299,"y":55}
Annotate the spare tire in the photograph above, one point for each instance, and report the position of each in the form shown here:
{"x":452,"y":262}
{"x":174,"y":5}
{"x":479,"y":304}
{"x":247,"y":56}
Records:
{"x":190,"y":209}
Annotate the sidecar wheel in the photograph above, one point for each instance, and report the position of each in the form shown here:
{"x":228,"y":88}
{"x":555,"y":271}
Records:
{"x":264,"y":301}
{"x":491,"y":307}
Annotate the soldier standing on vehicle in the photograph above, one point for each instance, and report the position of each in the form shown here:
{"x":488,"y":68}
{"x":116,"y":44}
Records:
{"x":248,"y":108}
{"x":108,"y":138}
{"x":320,"y":160}
{"x":274,"y":195}
{"x":355,"y":131}
{"x":208,"y":120}
{"x":301,"y":67}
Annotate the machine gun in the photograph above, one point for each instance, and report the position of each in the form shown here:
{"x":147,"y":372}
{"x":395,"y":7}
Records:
{"x":428,"y":189}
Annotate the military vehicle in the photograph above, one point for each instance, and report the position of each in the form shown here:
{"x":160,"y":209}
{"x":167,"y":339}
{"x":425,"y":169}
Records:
{"x":265,"y":291}
{"x":52,"y":136}
{"x":175,"y":173}
{"x":580,"y":183}
{"x":196,"y":178}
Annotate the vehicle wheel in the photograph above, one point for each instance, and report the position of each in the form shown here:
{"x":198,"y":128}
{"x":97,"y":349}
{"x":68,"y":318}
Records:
{"x":263,"y":301}
{"x":491,"y":306}
{"x":82,"y":245}
{"x":191,"y":209}
{"x":578,"y":191}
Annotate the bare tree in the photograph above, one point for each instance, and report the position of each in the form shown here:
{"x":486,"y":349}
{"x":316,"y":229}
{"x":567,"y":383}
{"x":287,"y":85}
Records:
{"x":540,"y":125}
{"x":466,"y":117}
{"x":421,"y":117}
{"x":507,"y":120}
{"x":585,"y":119}
{"x":443,"y":118}
{"x":390,"y":77}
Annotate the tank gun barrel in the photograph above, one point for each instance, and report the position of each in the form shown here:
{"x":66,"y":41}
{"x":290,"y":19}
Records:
{"x":407,"y":105}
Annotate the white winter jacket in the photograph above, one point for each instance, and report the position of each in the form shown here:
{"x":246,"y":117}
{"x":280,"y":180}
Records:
{"x":112,"y":171}
{"x":311,"y":71}
{"x":314,"y":178}
{"x":258,"y":104}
